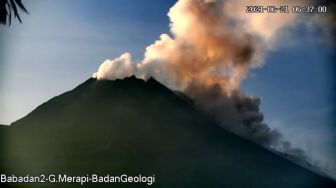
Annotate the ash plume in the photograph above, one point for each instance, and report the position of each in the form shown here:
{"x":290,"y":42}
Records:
{"x":212,"y":46}
{"x":213,"y":42}
{"x":240,"y":114}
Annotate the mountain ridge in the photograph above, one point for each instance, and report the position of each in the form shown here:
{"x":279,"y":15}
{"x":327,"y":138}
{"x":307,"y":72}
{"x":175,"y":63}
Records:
{"x":142,"y":126}
{"x":87,"y":82}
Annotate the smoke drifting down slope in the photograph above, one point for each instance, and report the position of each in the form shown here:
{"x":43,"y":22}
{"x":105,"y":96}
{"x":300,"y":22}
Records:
{"x":212,"y":47}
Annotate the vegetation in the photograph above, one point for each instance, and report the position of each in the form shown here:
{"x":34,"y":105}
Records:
{"x":9,"y":8}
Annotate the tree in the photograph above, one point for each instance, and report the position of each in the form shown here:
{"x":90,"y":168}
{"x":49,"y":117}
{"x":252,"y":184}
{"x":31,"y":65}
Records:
{"x":8,"y":8}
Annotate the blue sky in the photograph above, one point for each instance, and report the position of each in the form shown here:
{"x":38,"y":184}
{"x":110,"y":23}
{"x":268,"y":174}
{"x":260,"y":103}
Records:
{"x":61,"y":43}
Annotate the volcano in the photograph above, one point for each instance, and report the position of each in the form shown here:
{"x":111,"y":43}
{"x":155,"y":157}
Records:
{"x":133,"y":127}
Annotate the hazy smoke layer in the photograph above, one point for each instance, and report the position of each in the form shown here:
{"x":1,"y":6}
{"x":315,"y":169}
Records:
{"x":213,"y":45}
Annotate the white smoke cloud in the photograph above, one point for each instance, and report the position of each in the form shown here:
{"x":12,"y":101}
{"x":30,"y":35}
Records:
{"x":121,"y":67}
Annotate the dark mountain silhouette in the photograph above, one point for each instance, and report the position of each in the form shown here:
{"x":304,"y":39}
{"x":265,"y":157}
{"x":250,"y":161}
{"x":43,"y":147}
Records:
{"x":3,"y":128}
{"x":135,"y":127}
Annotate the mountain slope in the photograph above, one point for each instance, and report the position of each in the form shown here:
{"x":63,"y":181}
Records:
{"x":135,"y":127}
{"x":3,"y":129}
